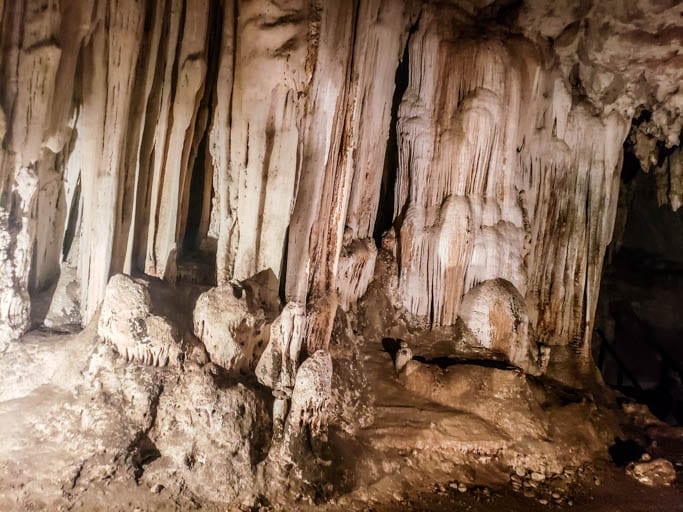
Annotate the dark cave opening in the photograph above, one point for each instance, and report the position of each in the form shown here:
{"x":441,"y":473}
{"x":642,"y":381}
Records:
{"x":636,"y":344}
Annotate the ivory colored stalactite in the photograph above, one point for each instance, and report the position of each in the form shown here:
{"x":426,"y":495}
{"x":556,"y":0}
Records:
{"x":170,"y":199}
{"x":130,"y":255}
{"x":155,"y":138}
{"x":271,"y":74}
{"x":381,"y":34}
{"x":123,"y":42}
{"x":50,"y":208}
{"x":320,"y":210}
{"x":502,"y":175}
{"x":221,"y":221}
{"x":30,"y":61}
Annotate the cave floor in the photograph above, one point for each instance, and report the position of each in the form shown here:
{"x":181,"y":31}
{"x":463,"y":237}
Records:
{"x":616,"y":493}
{"x":401,"y":415}
{"x":386,"y":478}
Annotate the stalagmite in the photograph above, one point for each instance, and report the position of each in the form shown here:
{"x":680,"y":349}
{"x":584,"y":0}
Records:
{"x":278,"y":364}
{"x":494,"y":312}
{"x":311,"y":397}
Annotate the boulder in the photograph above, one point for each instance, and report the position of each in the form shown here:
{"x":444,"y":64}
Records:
{"x":234,"y":334}
{"x":208,"y":437}
{"x":312,"y":394}
{"x":495,"y":317}
{"x":278,"y":365}
{"x":127,"y":322}
{"x":654,"y":473}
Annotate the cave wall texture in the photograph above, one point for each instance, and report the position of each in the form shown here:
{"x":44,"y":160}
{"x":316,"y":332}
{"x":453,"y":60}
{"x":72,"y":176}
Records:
{"x":507,"y":120}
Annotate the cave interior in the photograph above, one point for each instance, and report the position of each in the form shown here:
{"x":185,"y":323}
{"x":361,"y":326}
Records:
{"x":341,"y":255}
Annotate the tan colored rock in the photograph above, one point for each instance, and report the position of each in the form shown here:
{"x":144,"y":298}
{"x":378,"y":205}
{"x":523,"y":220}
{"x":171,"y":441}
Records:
{"x":64,"y":307}
{"x":312,"y":394}
{"x":234,"y":336}
{"x":3,"y":124}
{"x":494,"y":313}
{"x":278,"y":364}
{"x":356,"y":270}
{"x":656,"y":473}
{"x":208,"y":437}
{"x":501,"y":397}
{"x":126,"y":321}
{"x":305,"y":429}
{"x":15,"y":254}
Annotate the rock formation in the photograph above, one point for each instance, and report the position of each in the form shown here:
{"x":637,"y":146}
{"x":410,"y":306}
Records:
{"x":127,"y":322}
{"x":233,"y":335}
{"x":441,"y":171}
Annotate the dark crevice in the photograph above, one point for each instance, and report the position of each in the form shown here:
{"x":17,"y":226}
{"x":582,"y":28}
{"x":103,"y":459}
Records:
{"x":636,"y":332}
{"x":385,"y":209}
{"x":392,"y":345}
{"x":142,"y":449}
{"x":144,"y":452}
{"x":631,"y":165}
{"x":194,"y":212}
{"x":446,"y":361}
{"x":283,"y":268}
{"x":201,"y":164}
{"x":622,"y":452}
{"x":503,"y":12}
{"x":72,"y":221}
{"x":197,"y":262}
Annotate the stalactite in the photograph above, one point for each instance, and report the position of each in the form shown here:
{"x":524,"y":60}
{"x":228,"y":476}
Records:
{"x":169,"y":200}
{"x":273,"y":43}
{"x":154,"y":139}
{"x":490,"y":177}
{"x":30,"y":61}
{"x":380,"y":36}
{"x":319,"y":212}
{"x":221,"y":220}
